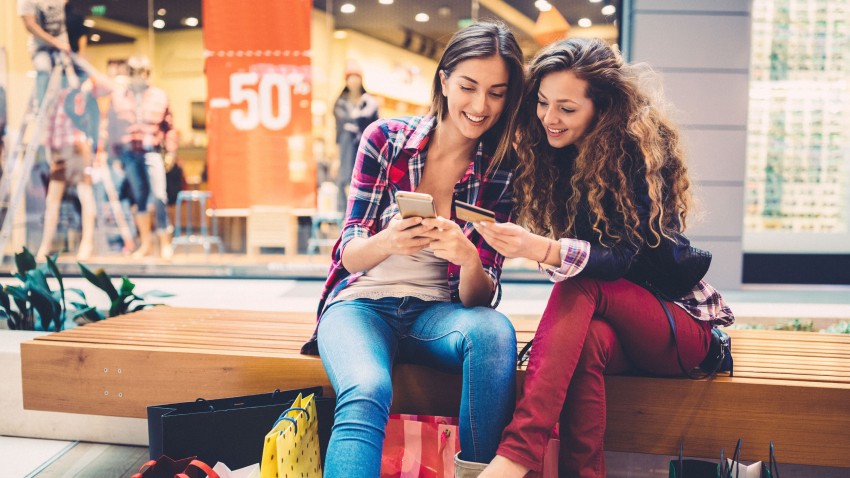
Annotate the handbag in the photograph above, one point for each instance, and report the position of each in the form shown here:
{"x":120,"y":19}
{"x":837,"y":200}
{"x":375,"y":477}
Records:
{"x":727,"y":468}
{"x":719,"y":357}
{"x":291,"y":448}
{"x":420,"y":446}
{"x":229,"y":430}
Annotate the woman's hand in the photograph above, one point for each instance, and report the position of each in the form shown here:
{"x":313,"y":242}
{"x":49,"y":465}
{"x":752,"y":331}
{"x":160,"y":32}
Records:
{"x":450,"y":243}
{"x":511,"y":240}
{"x":404,"y":236}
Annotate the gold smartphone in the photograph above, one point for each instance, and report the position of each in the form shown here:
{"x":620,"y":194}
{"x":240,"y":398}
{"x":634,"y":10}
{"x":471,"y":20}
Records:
{"x":415,"y":204}
{"x":471,"y":213}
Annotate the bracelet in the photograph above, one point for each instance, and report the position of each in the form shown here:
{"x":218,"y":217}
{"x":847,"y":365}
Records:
{"x":548,"y":249}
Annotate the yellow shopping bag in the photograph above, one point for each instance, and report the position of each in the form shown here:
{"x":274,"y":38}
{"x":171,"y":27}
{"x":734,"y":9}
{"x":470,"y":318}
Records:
{"x":291,"y":448}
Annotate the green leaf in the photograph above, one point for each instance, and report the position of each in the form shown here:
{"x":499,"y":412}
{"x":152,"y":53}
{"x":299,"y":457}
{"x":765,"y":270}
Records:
{"x":25,"y":261}
{"x":37,"y":279}
{"x":79,"y":292}
{"x":47,"y":307}
{"x":4,"y":300}
{"x":51,"y":264}
{"x":86,"y":316}
{"x":126,"y":286}
{"x":101,"y":280}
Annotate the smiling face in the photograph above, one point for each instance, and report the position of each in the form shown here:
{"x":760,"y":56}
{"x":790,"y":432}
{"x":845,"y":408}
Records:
{"x":564,"y":108}
{"x":475,"y":91}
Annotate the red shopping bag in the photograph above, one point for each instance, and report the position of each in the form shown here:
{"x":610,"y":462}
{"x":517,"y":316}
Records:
{"x":166,"y":467}
{"x":420,"y":446}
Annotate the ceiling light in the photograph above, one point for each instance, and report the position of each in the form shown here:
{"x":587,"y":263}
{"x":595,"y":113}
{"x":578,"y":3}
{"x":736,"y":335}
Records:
{"x":88,"y":22}
{"x":584,"y":22}
{"x":444,"y":11}
{"x":609,"y":10}
{"x":159,"y":23}
{"x":385,"y":2}
{"x":95,"y":37}
{"x":347,"y":8}
{"x":543,"y":5}
{"x":340,"y":34}
{"x":422,"y":17}
{"x":595,"y":1}
{"x":190,"y":21}
{"x":161,"y":12}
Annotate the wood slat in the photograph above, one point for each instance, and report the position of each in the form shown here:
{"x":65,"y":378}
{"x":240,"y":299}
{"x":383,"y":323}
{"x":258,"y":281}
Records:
{"x":789,"y":387}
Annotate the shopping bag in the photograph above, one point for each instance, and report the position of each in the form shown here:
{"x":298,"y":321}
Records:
{"x":229,"y":430}
{"x":252,"y":471}
{"x":770,"y":469}
{"x":291,"y":448}
{"x":736,"y":469}
{"x":691,"y":468}
{"x":420,"y":446}
{"x":166,"y":467}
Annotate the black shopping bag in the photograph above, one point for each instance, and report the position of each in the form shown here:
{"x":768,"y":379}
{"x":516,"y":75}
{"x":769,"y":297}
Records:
{"x":229,"y":430}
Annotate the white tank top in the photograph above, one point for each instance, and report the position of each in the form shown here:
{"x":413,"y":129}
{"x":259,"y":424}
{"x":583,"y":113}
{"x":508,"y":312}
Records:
{"x":422,"y":275}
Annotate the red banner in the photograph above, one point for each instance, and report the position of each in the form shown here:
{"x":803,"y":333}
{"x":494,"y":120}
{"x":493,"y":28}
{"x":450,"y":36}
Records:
{"x":258,"y":109}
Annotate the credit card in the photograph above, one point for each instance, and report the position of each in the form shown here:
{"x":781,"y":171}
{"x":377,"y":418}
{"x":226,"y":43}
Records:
{"x":470,"y":213}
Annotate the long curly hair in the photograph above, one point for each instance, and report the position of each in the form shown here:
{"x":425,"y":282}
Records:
{"x":629,"y":145}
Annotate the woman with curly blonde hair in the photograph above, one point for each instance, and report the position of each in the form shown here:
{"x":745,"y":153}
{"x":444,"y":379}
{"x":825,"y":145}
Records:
{"x":603,"y":187}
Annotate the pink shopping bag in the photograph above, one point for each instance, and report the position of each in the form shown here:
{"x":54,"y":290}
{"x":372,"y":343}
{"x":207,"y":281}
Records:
{"x":420,"y":446}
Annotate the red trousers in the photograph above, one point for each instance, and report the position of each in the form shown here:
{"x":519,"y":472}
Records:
{"x":591,"y":328}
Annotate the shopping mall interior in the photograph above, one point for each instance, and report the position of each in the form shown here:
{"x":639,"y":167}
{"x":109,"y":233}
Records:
{"x":253,"y":188}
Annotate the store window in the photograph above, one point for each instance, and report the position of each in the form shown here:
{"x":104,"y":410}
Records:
{"x":271,"y":204}
{"x":798,"y":165}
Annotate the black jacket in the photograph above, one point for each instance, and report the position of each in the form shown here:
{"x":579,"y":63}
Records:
{"x":671,"y":269}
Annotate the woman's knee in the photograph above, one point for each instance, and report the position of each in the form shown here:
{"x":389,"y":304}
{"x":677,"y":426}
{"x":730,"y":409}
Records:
{"x":598,"y":343}
{"x":490,"y":327}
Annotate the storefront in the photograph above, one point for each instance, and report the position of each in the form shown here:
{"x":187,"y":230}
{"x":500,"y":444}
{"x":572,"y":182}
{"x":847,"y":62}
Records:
{"x":254,"y":188}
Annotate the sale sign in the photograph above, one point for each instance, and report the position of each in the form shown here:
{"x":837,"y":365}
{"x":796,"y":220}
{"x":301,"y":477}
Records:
{"x":258,"y":109}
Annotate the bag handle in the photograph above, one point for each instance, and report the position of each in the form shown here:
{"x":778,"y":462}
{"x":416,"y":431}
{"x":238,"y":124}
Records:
{"x":280,"y":419}
{"x":144,"y":468}
{"x":736,"y":459}
{"x":199,"y":465}
{"x":774,"y":467}
{"x":203,"y":401}
{"x":521,"y":356}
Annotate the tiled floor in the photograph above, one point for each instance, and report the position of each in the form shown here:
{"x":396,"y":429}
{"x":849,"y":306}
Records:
{"x":24,"y":457}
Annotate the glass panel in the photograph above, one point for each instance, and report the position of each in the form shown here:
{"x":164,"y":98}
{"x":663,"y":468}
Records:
{"x":389,"y":46}
{"x":798,"y":186}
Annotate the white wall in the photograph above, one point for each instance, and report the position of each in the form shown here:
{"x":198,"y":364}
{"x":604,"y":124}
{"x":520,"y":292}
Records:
{"x":702,"y":50}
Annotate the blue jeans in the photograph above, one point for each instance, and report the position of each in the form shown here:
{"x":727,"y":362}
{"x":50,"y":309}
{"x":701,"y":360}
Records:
{"x":360,"y":339}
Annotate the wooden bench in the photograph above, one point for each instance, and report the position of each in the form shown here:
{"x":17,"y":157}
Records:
{"x":789,"y":387}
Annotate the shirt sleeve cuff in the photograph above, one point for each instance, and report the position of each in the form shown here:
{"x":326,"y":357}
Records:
{"x":574,"y":256}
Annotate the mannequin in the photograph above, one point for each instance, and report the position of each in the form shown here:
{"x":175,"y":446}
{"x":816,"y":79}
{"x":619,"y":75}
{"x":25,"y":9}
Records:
{"x":74,"y":125}
{"x":71,"y":163}
{"x":140,"y":127}
{"x":355,"y":109}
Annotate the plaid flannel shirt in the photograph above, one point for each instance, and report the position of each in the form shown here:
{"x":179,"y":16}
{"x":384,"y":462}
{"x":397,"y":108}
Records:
{"x":391,"y":158}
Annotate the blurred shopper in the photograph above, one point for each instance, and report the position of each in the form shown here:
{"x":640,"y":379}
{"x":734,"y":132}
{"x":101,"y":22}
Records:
{"x":603,"y":185}
{"x":423,"y":290}
{"x":354,"y":110}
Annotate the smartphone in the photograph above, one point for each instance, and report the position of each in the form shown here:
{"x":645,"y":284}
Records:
{"x":415,"y":204}
{"x":470,"y":213}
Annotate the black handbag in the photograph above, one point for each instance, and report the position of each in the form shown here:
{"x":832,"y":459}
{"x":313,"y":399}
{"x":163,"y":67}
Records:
{"x":719,"y":357}
{"x":229,"y":430}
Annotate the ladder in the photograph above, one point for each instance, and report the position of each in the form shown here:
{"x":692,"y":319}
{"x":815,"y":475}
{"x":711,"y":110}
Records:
{"x":20,"y":159}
